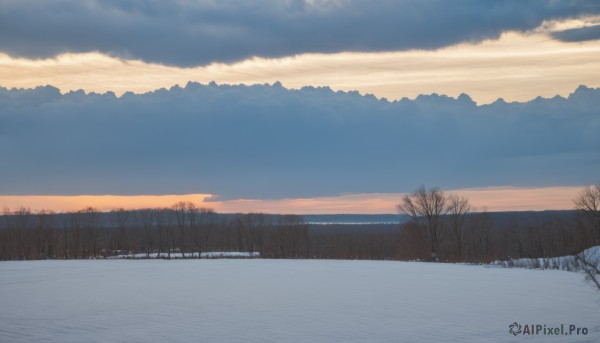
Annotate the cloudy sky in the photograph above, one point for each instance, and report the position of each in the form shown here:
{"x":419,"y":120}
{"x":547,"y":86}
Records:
{"x":297,"y":106}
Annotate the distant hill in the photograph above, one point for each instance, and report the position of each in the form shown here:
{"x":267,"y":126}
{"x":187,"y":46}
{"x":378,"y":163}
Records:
{"x":365,"y":221}
{"x":354,"y":218}
{"x":499,"y":217}
{"x":390,"y":223}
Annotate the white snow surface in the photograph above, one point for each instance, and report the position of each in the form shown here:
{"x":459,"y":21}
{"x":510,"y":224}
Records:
{"x":568,"y":262}
{"x":254,"y":300}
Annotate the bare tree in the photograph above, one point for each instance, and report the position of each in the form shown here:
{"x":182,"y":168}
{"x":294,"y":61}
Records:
{"x":589,"y":264}
{"x":426,"y":207}
{"x":185,"y":212}
{"x":120,"y":219}
{"x":588,"y":203}
{"x":458,"y":208}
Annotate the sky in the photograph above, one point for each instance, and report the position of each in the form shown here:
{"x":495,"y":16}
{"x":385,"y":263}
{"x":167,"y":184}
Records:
{"x":315,"y":106}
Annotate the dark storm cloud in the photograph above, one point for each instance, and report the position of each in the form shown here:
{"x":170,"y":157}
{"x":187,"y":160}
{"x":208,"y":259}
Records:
{"x":270,"y":142}
{"x":189,"y":33}
{"x":578,"y":34}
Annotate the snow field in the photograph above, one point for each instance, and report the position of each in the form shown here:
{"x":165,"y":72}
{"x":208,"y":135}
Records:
{"x":286,"y":301}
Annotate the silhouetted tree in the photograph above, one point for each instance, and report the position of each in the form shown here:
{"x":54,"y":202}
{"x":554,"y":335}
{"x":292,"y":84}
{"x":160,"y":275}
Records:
{"x":588,"y":203}
{"x":426,"y":208}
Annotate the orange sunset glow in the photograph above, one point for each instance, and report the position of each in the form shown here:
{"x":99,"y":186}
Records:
{"x":64,"y":203}
{"x":489,"y":198}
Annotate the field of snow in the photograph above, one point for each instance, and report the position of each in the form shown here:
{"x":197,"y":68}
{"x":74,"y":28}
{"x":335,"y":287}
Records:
{"x":253,"y":300}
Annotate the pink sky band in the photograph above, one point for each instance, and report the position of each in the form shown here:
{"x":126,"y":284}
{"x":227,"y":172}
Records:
{"x":490,"y":198}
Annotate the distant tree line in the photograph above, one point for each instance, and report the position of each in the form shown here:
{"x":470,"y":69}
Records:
{"x":442,"y":227}
{"x":182,"y":229}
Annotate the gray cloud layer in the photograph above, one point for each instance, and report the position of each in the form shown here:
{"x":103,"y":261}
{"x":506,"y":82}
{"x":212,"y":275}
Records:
{"x":579,"y":34}
{"x":191,"y":33}
{"x":270,"y":142}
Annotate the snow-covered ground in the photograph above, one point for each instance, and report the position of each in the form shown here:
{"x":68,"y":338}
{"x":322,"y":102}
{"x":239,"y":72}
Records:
{"x":561,"y":263}
{"x":253,"y":300}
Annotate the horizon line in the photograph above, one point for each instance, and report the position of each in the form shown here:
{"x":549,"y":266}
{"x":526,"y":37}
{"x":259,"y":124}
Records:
{"x":490,"y":199}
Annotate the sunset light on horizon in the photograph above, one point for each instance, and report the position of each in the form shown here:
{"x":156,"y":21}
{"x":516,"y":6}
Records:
{"x":494,"y":199}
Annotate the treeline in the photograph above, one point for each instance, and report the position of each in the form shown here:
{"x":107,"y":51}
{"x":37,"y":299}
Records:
{"x":355,"y":241}
{"x":180,"y":231}
{"x":483,"y":239}
{"x":442,"y":227}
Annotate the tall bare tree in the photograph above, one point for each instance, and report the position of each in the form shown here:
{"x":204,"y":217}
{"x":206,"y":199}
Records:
{"x":588,"y":203}
{"x":426,"y":207}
